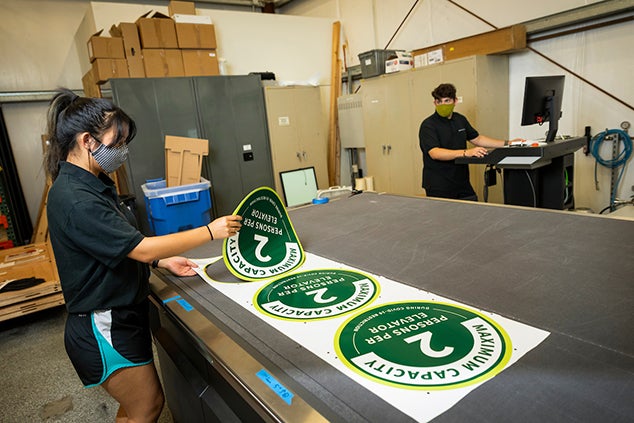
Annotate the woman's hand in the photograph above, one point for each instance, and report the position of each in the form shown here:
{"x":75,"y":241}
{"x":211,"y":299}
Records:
{"x":179,"y":266}
{"x":225,"y":226}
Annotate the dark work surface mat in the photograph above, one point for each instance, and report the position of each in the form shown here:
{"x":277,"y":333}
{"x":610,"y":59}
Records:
{"x":570,"y":274}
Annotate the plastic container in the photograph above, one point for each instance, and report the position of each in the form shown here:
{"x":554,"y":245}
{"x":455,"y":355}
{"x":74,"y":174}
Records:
{"x":373,"y":62}
{"x":176,"y":209}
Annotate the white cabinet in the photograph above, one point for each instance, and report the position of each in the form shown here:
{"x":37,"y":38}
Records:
{"x":298,"y":131}
{"x":394,"y":106}
{"x":391,"y":155}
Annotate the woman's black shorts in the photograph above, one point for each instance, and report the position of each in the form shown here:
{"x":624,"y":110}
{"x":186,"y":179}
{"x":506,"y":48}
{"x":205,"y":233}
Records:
{"x":104,"y":341}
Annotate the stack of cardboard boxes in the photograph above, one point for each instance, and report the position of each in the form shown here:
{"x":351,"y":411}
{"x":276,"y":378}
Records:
{"x":182,"y":44}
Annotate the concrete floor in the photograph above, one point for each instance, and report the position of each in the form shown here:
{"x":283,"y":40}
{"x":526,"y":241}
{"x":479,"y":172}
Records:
{"x":38,"y":382}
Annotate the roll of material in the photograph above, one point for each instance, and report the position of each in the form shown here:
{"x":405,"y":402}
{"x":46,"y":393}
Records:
{"x":359,"y":184}
{"x":369,"y":183}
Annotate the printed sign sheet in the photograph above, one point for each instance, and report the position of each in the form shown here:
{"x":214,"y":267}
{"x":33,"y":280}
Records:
{"x":419,"y":351}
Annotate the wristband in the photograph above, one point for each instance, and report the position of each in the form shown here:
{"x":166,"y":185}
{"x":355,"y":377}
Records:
{"x":210,"y":234}
{"x":154,"y":264}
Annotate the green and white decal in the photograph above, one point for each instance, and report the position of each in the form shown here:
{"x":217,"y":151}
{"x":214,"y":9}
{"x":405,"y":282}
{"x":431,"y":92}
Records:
{"x":423,"y":345}
{"x":267,"y":245}
{"x":316,"y":294}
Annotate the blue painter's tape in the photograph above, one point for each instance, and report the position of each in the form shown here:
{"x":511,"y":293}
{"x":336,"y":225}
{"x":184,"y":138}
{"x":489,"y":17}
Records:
{"x":275,"y":386}
{"x":171,"y":299}
{"x":183,"y":303}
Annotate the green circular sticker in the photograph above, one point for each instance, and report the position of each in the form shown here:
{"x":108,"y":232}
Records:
{"x":423,"y":345}
{"x":316,"y":294}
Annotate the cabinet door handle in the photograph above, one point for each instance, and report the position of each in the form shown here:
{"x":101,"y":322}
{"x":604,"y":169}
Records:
{"x":304,"y":155}
{"x":384,"y":148}
{"x":299,"y":156}
{"x":389,"y":148}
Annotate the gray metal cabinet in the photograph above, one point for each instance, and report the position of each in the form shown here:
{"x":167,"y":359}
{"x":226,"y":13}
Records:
{"x":233,"y":117}
{"x":229,"y":111}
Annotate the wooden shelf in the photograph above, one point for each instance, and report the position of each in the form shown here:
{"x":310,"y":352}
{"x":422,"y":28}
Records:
{"x":36,"y":261}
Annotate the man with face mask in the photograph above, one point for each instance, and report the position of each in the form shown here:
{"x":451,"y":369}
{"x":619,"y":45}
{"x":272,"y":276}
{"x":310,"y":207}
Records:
{"x":443,"y":138}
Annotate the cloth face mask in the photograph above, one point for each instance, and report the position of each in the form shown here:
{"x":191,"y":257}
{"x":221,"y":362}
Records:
{"x":110,"y":158}
{"x":444,"y":110}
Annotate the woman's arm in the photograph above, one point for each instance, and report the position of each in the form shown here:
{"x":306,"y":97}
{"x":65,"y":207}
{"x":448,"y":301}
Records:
{"x":158,"y":247}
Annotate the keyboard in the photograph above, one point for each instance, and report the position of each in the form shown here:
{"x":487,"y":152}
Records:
{"x":526,"y":143}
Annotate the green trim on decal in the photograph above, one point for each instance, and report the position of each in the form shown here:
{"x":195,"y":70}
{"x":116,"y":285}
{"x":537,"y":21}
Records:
{"x":263,"y":235}
{"x":423,"y":345}
{"x":316,"y":294}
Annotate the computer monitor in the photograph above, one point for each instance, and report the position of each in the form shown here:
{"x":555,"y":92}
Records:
{"x":299,"y":186}
{"x":542,"y":102}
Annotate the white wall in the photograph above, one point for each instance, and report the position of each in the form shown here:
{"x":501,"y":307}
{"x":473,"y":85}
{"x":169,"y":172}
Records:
{"x":602,"y":56}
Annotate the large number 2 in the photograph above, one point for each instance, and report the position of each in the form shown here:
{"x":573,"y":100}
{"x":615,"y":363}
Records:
{"x":262,"y":240}
{"x":319,"y":296}
{"x":425,"y":345}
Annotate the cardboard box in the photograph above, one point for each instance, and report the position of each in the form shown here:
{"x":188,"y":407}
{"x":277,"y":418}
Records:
{"x":181,"y":7}
{"x":396,"y":65}
{"x":163,"y":62}
{"x":402,"y":61}
{"x":183,"y":159}
{"x":156,"y":31}
{"x":200,"y":62}
{"x":196,"y":36}
{"x":28,"y":261}
{"x":104,"y":47}
{"x":129,"y":32}
{"x":194,"y":19}
{"x":136,"y":68}
{"x":91,"y":89}
{"x":105,"y":69}
{"x":41,"y":301}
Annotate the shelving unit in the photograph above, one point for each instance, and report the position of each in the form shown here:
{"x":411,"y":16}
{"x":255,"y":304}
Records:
{"x":33,"y":260}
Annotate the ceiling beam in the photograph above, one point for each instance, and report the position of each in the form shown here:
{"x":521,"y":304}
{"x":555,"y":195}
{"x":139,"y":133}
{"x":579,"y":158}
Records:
{"x":580,"y":15}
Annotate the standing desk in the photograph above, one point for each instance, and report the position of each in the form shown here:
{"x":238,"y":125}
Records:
{"x":567,"y":273}
{"x":536,"y":176}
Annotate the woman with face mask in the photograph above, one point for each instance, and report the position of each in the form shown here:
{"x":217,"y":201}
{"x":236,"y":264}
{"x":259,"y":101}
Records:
{"x":101,"y":256}
{"x":443,"y":138}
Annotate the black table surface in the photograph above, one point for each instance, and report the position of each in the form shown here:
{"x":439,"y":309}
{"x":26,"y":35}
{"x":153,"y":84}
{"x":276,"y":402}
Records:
{"x":567,"y":273}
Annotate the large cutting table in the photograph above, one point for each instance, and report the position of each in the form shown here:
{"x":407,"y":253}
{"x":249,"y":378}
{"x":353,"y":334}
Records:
{"x":567,"y":273}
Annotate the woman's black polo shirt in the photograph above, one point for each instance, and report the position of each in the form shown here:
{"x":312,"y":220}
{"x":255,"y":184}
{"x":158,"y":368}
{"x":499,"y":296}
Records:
{"x":91,"y":235}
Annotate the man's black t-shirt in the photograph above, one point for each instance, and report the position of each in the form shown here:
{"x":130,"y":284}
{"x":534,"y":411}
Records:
{"x":452,"y":134}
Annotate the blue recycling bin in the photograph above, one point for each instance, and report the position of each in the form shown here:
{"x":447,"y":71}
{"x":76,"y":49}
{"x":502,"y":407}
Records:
{"x":176,"y":209}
